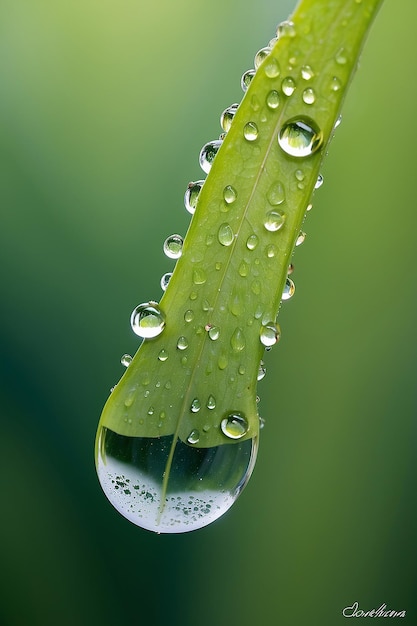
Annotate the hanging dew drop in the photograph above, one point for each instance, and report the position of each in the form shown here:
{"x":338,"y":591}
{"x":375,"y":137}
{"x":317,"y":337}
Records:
{"x":261,"y":371}
{"x":229,"y":194}
{"x":288,"y":86}
{"x":168,"y":486}
{"x":234,"y":425}
{"x":269,"y":334}
{"x":173,"y":246}
{"x":286,"y":29}
{"x":272,"y":99}
{"x":147,"y":320}
{"x":300,"y":137}
{"x":126,"y":360}
{"x":238,"y":341}
{"x":227,"y":116}
{"x":301,"y":238}
{"x":247,"y":79}
{"x":250,"y":131}
{"x":289,"y":289}
{"x":165,"y":280}
{"x":191,"y":195}
{"x":225,"y":234}
{"x":208,"y":154}
{"x":319,"y":182}
{"x":261,"y":56}
{"x":274,"y":221}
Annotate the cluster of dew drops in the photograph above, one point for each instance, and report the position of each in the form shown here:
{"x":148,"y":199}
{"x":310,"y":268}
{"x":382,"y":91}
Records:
{"x":298,"y":137}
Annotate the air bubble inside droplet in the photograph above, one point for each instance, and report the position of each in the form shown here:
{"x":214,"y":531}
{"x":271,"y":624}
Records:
{"x":201,"y":483}
{"x":147,"y":320}
{"x":300,"y":137}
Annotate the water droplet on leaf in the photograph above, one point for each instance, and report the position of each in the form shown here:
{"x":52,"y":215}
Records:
{"x":193,"y":437}
{"x":261,"y":370}
{"x":252,"y":242}
{"x":225,"y":234}
{"x":238,"y":341}
{"x":182,"y":343}
{"x":301,"y":238}
{"x":227,"y":116}
{"x":173,"y":246}
{"x":272,"y":68}
{"x":211,"y":402}
{"x":195,"y":405}
{"x":163,"y":355}
{"x":309,"y":97}
{"x":250,"y":131}
{"x":300,"y":137}
{"x":286,"y":29}
{"x":234,"y":425}
{"x":165,"y":280}
{"x":269,"y":334}
{"x":261,"y":56}
{"x":274,"y":221}
{"x":306,"y":72}
{"x":276,"y":193}
{"x":208,"y":154}
{"x":147,"y":320}
{"x":272,"y":99}
{"x":289,"y":289}
{"x":247,"y":79}
{"x":229,"y":194}
{"x":288,"y":86}
{"x":191,"y":195}
{"x":319,"y":182}
{"x":126,"y":360}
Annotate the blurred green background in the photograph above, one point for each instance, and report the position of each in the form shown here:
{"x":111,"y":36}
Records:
{"x":104,"y":106}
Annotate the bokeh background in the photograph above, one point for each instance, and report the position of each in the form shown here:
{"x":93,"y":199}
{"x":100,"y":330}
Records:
{"x":104,"y":106}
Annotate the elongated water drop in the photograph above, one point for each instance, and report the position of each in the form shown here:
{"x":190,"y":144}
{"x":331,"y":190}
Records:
{"x":147,"y":320}
{"x":247,"y":79}
{"x":272,"y":99}
{"x":225,"y":234}
{"x":288,"y":86}
{"x":300,"y":137}
{"x":191,"y":195}
{"x":250,"y":131}
{"x":261,"y":56}
{"x":165,"y":280}
{"x":227,"y":116}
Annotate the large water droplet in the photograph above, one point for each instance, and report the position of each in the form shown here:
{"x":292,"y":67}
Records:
{"x":165,"y":280}
{"x":288,"y":86}
{"x":225,"y":234}
{"x":229,"y":194}
{"x":208,"y":154}
{"x":272,"y":68}
{"x":272,"y":99}
{"x":274,"y":221}
{"x":173,"y":246}
{"x":269,"y":334}
{"x":246,"y":79}
{"x":289,"y":289}
{"x":182,"y":343}
{"x":286,"y":29}
{"x":300,"y":137}
{"x":234,"y":425}
{"x":250,"y":131}
{"x":309,"y":97}
{"x":260,"y":56}
{"x":126,"y":360}
{"x":191,"y":195}
{"x":227,"y":116}
{"x":237,"y":340}
{"x":195,"y":405}
{"x":169,"y":486}
{"x":276,"y":193}
{"x":307,"y":72}
{"x":252,"y":241}
{"x":147,"y":320}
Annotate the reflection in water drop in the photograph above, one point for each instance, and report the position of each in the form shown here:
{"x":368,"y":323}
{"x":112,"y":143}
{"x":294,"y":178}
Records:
{"x":227,"y":116}
{"x":234,"y":425}
{"x":208,"y":154}
{"x":289,"y":289}
{"x":202,"y":484}
{"x":288,"y":86}
{"x":147,"y":320}
{"x":247,"y":79}
{"x":300,"y":137}
{"x":165,"y":280}
{"x":191,"y":195}
{"x":126,"y":360}
{"x":173,"y":246}
{"x":250,"y":131}
{"x":272,"y":99}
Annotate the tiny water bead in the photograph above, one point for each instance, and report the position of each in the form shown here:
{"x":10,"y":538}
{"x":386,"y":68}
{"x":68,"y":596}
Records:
{"x":341,"y":57}
{"x":126,"y":360}
{"x":269,"y":334}
{"x":289,"y":289}
{"x":288,"y":86}
{"x":272,"y":99}
{"x":211,"y":402}
{"x":188,"y":316}
{"x":307,"y":72}
{"x":261,"y":370}
{"x":195,"y":405}
{"x":225,"y":234}
{"x":247,"y":79}
{"x":335,"y":84}
{"x":250,"y":131}
{"x":182,"y":343}
{"x":234,"y":425}
{"x":300,"y":137}
{"x":147,"y":320}
{"x":227,"y":116}
{"x":213,"y":332}
{"x":301,"y":238}
{"x":229,"y":194}
{"x":173,"y":246}
{"x":274,"y":221}
{"x":252,"y":241}
{"x":165,"y":280}
{"x":271,"y":251}
{"x":195,"y":489}
{"x":208,"y":153}
{"x":191,"y":195}
{"x":163,"y":355}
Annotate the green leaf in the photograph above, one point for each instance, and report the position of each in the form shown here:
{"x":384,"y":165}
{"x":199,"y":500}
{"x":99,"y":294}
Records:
{"x":236,"y":254}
